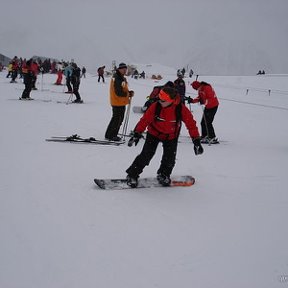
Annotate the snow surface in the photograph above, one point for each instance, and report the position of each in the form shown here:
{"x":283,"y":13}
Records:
{"x":228,"y":230}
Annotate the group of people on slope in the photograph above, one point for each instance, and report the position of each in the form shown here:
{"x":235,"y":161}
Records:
{"x":71,"y":71}
{"x":162,"y":120}
{"x":73,"y":78}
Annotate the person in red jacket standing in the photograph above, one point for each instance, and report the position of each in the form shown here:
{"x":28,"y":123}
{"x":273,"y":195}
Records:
{"x":59,"y":77}
{"x":207,"y":97}
{"x":35,"y":71}
{"x":163,"y":122}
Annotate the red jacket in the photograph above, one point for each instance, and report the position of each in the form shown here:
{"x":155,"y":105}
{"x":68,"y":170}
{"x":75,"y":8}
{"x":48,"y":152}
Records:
{"x":206,"y":96}
{"x":15,"y":66}
{"x":35,"y":68}
{"x":166,"y":127}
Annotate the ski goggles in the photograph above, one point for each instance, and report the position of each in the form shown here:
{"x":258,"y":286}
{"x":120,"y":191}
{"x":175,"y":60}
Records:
{"x":164,"y":97}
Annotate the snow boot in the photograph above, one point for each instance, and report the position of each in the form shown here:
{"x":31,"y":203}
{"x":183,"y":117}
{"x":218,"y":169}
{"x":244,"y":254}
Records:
{"x":132,"y":181}
{"x":79,"y":101}
{"x":204,"y":140}
{"x":164,"y":180}
{"x":214,"y":140}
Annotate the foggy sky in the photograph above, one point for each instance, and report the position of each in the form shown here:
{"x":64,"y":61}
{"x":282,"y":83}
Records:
{"x":211,"y":36}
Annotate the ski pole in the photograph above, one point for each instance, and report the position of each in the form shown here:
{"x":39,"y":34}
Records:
{"x":70,"y":98}
{"x":125,"y":126}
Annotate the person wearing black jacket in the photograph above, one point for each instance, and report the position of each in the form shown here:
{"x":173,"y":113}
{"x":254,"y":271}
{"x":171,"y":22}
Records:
{"x":100,"y":71}
{"x":180,"y":86}
{"x":28,"y":80}
{"x":75,"y":80}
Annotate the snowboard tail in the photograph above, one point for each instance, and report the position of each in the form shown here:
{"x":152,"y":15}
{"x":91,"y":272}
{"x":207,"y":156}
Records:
{"x":149,"y":182}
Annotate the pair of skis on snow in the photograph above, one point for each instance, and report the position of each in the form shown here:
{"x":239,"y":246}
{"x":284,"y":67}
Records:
{"x":80,"y":140}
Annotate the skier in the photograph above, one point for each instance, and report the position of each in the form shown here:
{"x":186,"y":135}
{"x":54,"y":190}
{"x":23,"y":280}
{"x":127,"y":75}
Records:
{"x":28,"y":79}
{"x":68,"y":72}
{"x":75,"y":80}
{"x":59,"y":77}
{"x":10,"y":68}
{"x":163,"y":122}
{"x":142,"y":75}
{"x":14,"y":70}
{"x":100,"y":72}
{"x":207,"y":97}
{"x":180,"y":86}
{"x":135,"y":74}
{"x":119,"y":97}
{"x":35,"y":70}
{"x":83,"y":71}
{"x":191,"y":73}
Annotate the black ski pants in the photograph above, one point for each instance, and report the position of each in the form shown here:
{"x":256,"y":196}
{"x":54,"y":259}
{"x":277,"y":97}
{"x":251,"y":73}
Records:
{"x":149,"y":149}
{"x":101,"y":77}
{"x":14,"y":75}
{"x":207,"y":128}
{"x":28,"y":86}
{"x":27,"y":90}
{"x":34,"y":79}
{"x":68,"y":84}
{"x":118,"y":113}
{"x":76,"y":90}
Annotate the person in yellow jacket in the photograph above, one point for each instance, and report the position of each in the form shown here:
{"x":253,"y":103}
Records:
{"x":10,"y":69}
{"x":119,"y":97}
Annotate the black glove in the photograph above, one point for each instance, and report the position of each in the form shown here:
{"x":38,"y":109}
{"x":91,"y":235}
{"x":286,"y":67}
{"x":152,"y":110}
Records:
{"x":189,"y":99}
{"x":131,"y":93}
{"x":135,"y":137}
{"x":198,"y":149}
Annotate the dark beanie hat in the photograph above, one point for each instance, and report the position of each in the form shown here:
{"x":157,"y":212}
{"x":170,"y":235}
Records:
{"x":122,"y":65}
{"x":169,"y":84}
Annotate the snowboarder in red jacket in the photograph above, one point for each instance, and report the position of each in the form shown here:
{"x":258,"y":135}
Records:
{"x":207,"y":97}
{"x":163,"y":122}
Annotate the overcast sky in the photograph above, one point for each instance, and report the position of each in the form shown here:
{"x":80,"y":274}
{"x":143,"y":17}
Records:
{"x":228,"y":36}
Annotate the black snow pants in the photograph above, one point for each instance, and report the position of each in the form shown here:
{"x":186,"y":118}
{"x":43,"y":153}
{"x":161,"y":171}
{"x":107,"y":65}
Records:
{"x":147,"y":153}
{"x":207,"y":128}
{"x":118,"y":113}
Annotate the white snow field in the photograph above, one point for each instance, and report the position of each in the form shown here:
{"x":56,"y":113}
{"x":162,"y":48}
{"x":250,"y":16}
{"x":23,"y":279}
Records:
{"x":59,"y":230}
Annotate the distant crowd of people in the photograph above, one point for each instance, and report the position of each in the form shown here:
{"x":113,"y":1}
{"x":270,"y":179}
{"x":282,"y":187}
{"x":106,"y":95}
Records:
{"x":261,"y":72}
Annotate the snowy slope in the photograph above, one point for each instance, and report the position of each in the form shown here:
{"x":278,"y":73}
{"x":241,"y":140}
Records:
{"x":228,"y":230}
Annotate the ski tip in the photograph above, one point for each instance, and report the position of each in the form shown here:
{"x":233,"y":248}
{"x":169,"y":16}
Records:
{"x":100,"y":183}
